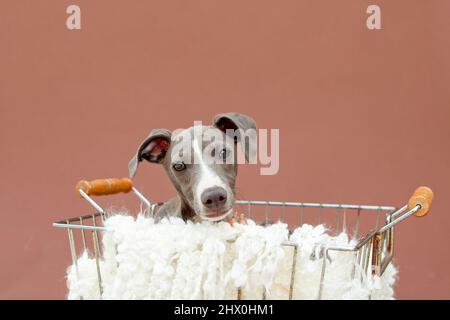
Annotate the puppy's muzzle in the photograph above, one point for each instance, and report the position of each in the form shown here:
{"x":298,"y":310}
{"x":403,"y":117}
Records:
{"x":214,"y":200}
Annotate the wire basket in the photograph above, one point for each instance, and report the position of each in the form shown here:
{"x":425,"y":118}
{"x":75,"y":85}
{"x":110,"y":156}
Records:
{"x":371,"y":225}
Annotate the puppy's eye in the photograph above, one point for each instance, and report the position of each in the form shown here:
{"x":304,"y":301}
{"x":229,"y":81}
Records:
{"x":179,"y":166}
{"x":223,"y":154}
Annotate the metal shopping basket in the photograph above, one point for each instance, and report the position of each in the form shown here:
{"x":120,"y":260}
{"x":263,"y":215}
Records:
{"x":374,"y":248}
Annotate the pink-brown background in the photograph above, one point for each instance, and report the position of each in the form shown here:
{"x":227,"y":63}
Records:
{"x":363,"y":115}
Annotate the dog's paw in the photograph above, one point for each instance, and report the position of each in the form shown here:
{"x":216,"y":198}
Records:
{"x":236,"y":217}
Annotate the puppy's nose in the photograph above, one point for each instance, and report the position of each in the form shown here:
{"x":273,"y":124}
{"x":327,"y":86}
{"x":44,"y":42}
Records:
{"x":214,"y":198}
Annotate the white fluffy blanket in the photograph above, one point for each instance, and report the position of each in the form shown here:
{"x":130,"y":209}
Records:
{"x":177,"y":260}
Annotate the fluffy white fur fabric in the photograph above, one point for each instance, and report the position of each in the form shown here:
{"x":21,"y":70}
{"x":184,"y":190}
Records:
{"x":174,"y":259}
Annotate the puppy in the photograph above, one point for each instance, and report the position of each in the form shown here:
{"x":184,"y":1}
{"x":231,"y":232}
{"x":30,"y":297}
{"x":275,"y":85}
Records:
{"x":201,"y":163}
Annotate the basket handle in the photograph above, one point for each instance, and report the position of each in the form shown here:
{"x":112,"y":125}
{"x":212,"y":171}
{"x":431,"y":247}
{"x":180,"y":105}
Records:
{"x":422,"y":196}
{"x":100,"y":187}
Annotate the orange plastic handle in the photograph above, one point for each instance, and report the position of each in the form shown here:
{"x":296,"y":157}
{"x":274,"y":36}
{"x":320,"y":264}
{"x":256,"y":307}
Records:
{"x":101,"y":187}
{"x":423,"y":196}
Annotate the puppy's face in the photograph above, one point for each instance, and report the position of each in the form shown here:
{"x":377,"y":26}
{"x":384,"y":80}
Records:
{"x":202,"y":161}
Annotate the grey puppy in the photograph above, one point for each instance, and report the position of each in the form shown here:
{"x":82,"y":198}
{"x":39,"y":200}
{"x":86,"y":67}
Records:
{"x":201,"y":162}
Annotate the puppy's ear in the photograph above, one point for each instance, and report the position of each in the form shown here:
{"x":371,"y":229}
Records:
{"x":242,"y":128}
{"x":152,"y":149}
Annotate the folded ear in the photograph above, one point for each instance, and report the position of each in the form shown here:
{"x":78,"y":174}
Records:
{"x":152,"y":149}
{"x":240,"y":127}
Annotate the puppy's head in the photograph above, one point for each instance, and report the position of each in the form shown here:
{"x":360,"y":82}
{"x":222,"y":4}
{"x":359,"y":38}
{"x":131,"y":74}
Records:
{"x":202,"y":161}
